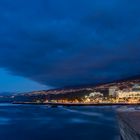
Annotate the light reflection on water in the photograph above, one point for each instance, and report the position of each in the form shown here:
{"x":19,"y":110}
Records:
{"x":4,"y":120}
{"x":30,"y":122}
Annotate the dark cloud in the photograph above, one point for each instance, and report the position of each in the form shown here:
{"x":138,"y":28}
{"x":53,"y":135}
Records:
{"x":61,"y":43}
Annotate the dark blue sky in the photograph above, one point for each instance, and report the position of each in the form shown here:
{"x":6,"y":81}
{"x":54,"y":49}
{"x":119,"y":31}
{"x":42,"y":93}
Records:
{"x":56,"y":43}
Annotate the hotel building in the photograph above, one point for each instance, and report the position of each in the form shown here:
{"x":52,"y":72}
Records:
{"x":134,"y":93}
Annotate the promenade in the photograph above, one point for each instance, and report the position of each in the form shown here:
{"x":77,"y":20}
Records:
{"x":129,"y":122}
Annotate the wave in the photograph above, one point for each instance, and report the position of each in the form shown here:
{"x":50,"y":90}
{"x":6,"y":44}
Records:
{"x":84,"y":112}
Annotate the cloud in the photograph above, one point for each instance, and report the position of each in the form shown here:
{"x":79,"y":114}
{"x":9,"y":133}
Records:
{"x":62,"y":43}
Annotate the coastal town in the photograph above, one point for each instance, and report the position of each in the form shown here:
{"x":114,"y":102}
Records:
{"x":124,"y":95}
{"x":122,"y":92}
{"x":115,"y":95}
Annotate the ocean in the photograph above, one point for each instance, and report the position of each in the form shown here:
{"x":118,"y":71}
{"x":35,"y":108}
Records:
{"x":39,"y":122}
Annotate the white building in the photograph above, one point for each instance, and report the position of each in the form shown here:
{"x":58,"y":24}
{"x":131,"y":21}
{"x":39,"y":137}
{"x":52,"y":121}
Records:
{"x":93,"y":94}
{"x":113,"y":91}
{"x":128,"y":94}
{"x":134,"y":93}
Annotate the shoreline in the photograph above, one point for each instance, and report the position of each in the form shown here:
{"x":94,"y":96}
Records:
{"x":78,"y":104}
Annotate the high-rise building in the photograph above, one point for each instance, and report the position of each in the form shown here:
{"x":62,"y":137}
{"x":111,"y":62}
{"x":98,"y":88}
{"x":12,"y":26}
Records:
{"x":112,"y":91}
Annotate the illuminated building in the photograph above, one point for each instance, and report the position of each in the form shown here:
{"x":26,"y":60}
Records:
{"x":112,"y":91}
{"x":128,"y":94}
{"x":134,"y":93}
{"x":94,"y":94}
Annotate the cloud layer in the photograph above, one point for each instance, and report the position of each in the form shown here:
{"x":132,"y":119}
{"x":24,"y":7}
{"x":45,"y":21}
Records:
{"x":64,"y":43}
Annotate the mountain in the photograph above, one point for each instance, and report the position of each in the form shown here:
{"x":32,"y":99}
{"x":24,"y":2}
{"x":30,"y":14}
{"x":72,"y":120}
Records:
{"x":122,"y":84}
{"x":71,"y":92}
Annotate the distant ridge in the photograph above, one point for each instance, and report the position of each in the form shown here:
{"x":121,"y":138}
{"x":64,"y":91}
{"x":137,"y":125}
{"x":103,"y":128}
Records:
{"x":123,"y":83}
{"x":74,"y":92}
{"x":136,"y":77}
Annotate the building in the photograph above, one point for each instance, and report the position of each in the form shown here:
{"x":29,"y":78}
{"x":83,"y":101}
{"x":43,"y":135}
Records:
{"x":94,"y":94}
{"x":128,"y":94}
{"x":94,"y":97}
{"x":136,"y":87}
{"x":113,"y":90}
{"x":134,"y":93}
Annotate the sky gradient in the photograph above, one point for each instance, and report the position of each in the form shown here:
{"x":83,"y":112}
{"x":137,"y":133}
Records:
{"x":61,"y":43}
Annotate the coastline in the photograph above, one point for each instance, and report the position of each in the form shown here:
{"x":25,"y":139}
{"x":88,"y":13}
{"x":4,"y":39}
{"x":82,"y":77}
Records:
{"x":78,"y":104}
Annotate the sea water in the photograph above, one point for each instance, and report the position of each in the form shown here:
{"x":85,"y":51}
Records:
{"x":38,"y":122}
